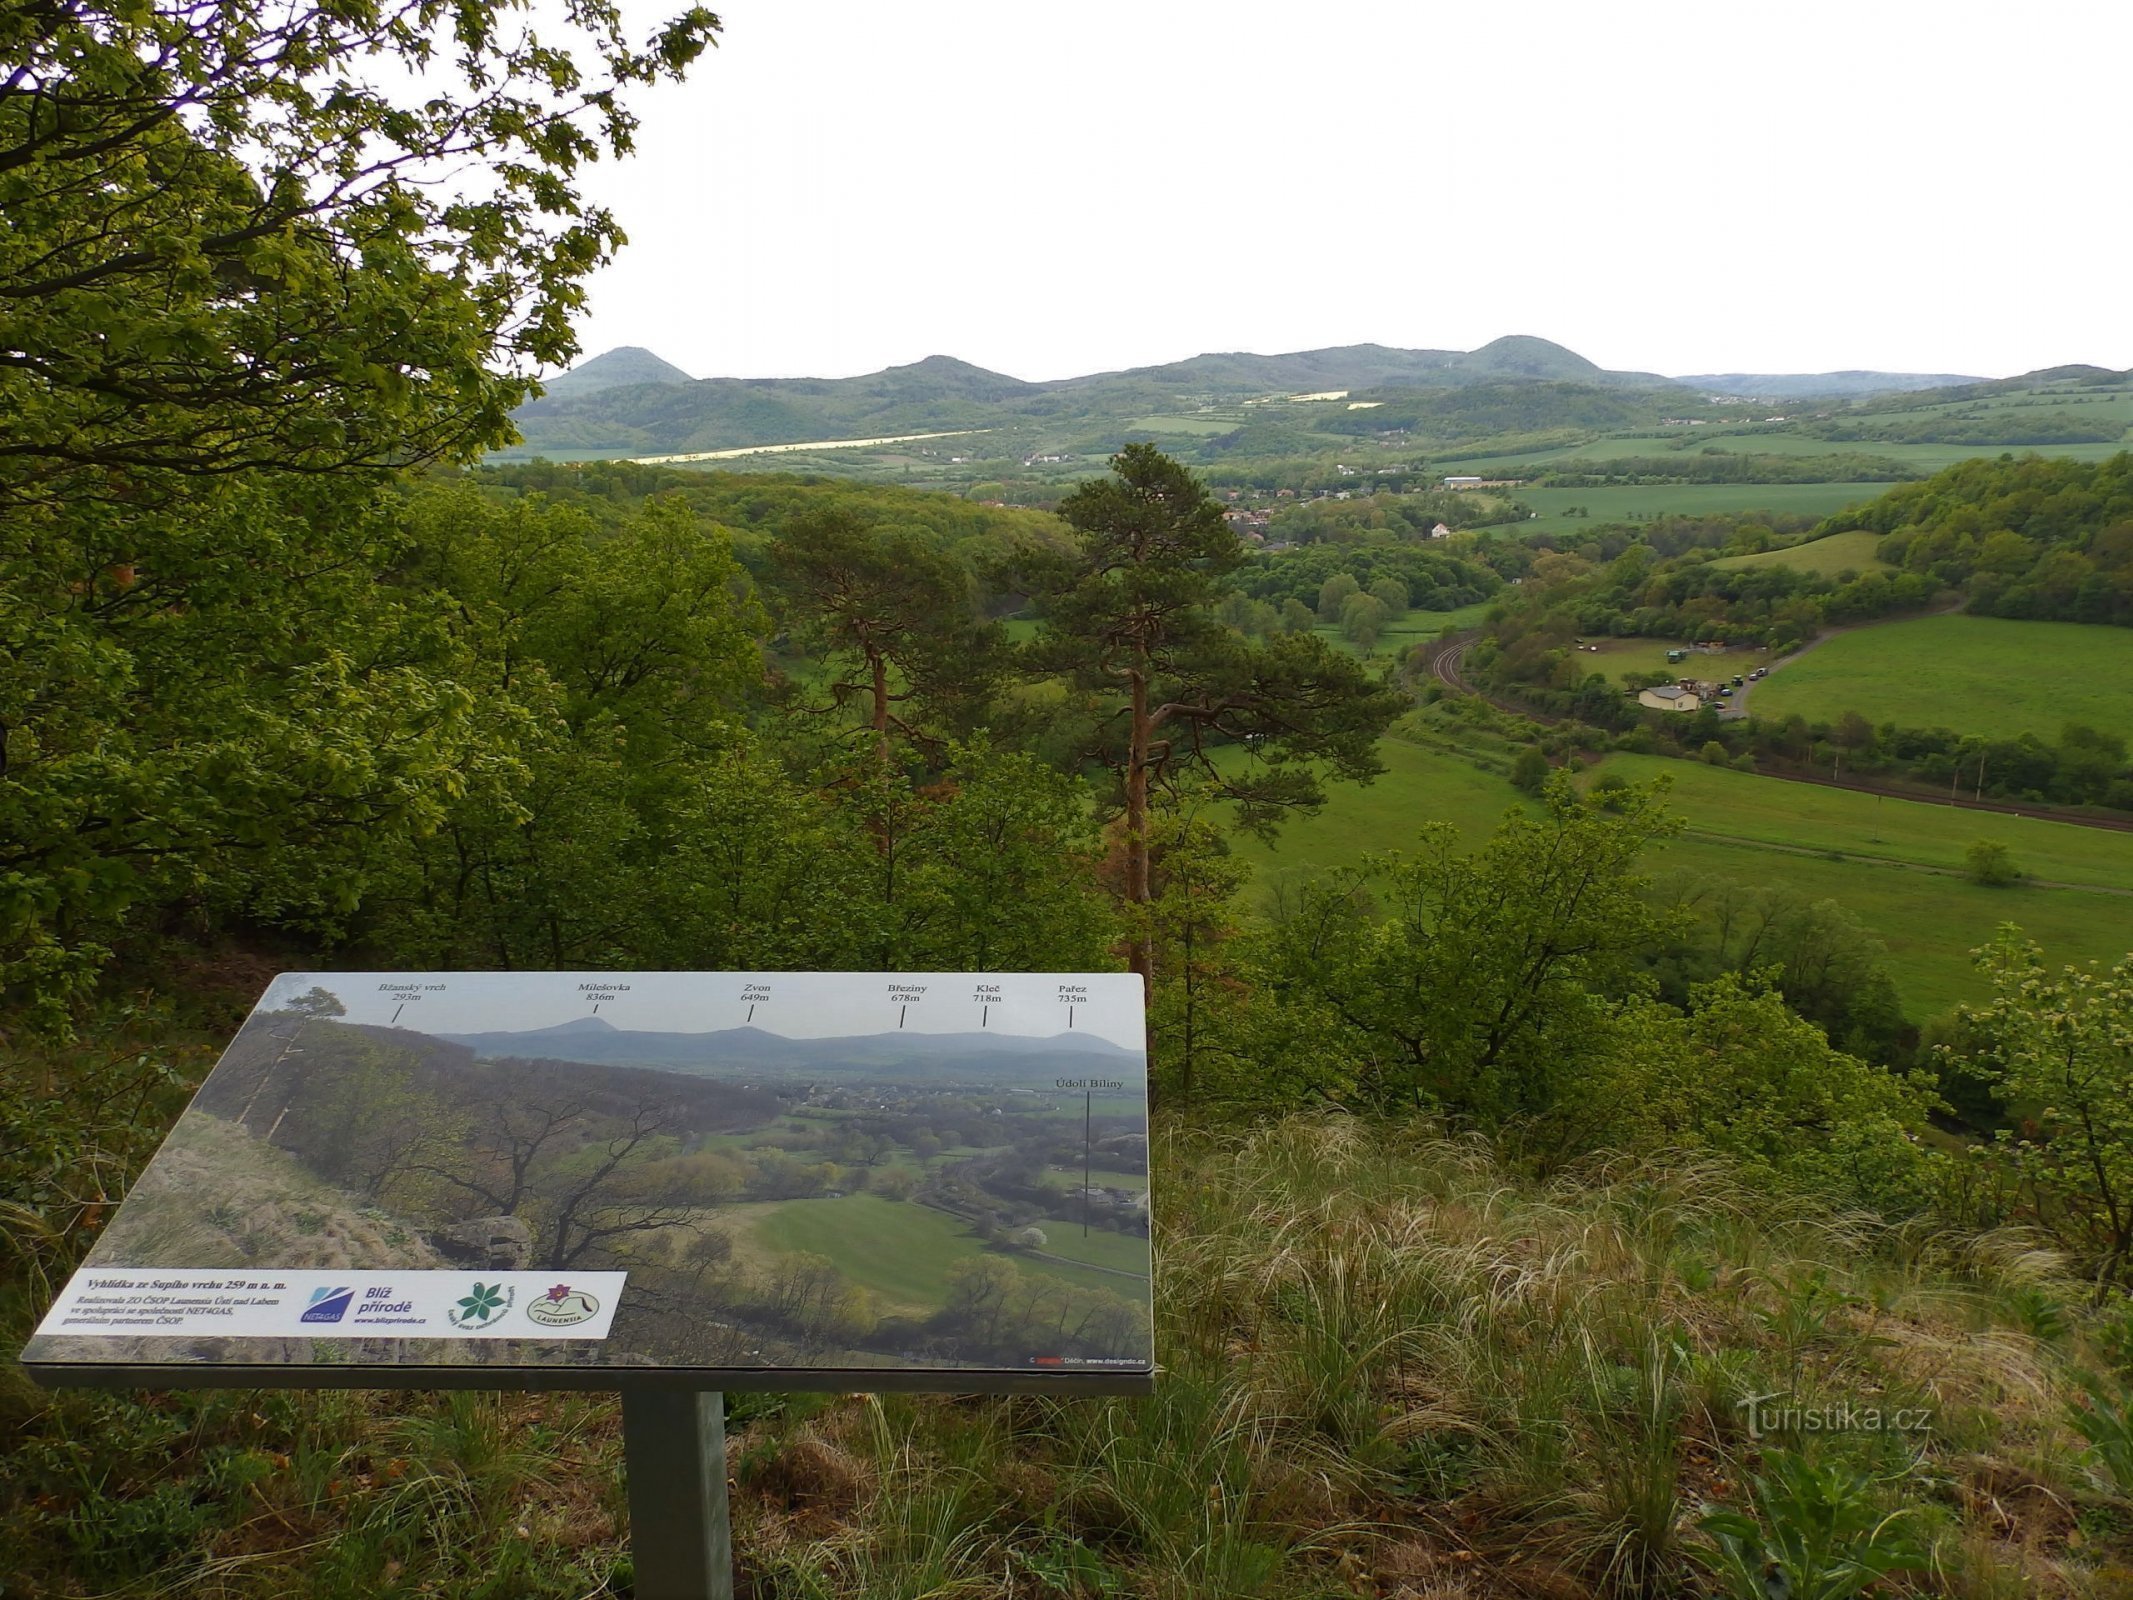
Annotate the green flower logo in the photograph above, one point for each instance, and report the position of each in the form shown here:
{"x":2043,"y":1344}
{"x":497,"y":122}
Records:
{"x":481,"y":1306}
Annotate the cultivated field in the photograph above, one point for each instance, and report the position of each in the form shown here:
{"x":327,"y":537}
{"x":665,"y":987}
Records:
{"x":1866,"y":853}
{"x":1982,"y":675}
{"x":1622,"y":504}
{"x":1828,"y":557}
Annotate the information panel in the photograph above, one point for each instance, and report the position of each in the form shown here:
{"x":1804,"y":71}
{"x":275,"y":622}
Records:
{"x":700,"y":1180}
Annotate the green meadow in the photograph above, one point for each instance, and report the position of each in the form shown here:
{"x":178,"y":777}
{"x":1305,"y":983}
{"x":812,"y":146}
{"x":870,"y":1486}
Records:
{"x":901,"y":1250}
{"x":1829,"y":556}
{"x":1622,"y":503}
{"x":1868,"y":854}
{"x":1982,"y":675}
{"x":1115,"y":1252}
{"x":1200,"y":427}
{"x":1745,"y":808}
{"x":1617,"y":658}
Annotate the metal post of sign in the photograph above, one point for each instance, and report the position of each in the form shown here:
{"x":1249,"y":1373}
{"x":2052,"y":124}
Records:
{"x":674,"y":1448}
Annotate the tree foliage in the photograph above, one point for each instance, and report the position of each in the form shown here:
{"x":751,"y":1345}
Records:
{"x":1478,"y":985}
{"x":2058,"y":1048}
{"x":250,"y":268}
{"x":245,"y":238}
{"x":1129,"y":620}
{"x":893,"y":616}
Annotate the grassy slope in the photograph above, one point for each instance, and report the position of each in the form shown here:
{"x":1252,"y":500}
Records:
{"x":1983,"y":675}
{"x":1930,"y":923}
{"x":1443,"y":1393}
{"x":1771,"y":811}
{"x":1418,"y":786}
{"x":901,"y":1251}
{"x":896,"y":1249}
{"x":1827,"y":556}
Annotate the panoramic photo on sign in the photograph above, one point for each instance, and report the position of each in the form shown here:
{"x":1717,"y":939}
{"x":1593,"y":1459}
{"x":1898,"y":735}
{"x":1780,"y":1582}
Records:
{"x":716,"y":1172}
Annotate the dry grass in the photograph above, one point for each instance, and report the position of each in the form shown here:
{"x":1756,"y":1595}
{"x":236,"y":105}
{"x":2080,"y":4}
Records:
{"x":1392,"y":1368}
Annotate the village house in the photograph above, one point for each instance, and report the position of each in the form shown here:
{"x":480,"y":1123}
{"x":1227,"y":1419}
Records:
{"x":1670,"y":697}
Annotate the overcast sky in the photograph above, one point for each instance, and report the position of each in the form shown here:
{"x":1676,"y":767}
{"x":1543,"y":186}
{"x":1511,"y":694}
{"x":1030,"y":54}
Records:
{"x":1921,"y":185}
{"x":800,"y":1005}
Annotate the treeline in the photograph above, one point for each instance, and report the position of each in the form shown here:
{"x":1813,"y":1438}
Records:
{"x":1387,"y":510}
{"x":1569,"y":596}
{"x":1425,"y":579}
{"x":988,"y":541}
{"x":1723,"y":466}
{"x":2023,"y":538}
{"x":2000,"y":426}
{"x":1483,"y":410}
{"x":2083,"y":766}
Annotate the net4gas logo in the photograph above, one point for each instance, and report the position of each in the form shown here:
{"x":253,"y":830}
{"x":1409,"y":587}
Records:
{"x":328,"y":1305}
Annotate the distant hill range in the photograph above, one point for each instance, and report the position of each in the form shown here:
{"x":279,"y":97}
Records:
{"x":1821,"y":385}
{"x":629,"y":402}
{"x":1005,"y":1058}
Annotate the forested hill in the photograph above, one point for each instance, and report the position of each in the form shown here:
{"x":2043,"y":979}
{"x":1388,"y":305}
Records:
{"x":2025,"y":537}
{"x":658,"y":414}
{"x":630,"y":402}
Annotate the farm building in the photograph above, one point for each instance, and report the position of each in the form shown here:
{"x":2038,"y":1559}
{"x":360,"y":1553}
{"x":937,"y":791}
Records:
{"x":1670,"y":697}
{"x":1462,"y":483}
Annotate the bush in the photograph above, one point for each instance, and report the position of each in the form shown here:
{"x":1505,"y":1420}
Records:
{"x":1529,"y":771}
{"x":1990,"y":862}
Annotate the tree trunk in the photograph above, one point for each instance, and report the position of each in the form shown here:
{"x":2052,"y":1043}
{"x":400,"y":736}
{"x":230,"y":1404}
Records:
{"x":880,"y":664}
{"x":1137,"y":874}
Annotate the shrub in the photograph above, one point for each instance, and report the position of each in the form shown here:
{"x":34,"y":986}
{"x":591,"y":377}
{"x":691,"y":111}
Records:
{"x":1990,"y":862}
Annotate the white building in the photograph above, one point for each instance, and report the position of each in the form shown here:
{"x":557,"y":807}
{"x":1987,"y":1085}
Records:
{"x":1669,"y":697}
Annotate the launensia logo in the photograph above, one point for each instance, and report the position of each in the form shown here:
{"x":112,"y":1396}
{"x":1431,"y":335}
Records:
{"x":562,"y":1307}
{"x":328,"y":1305}
{"x":483,"y":1305}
